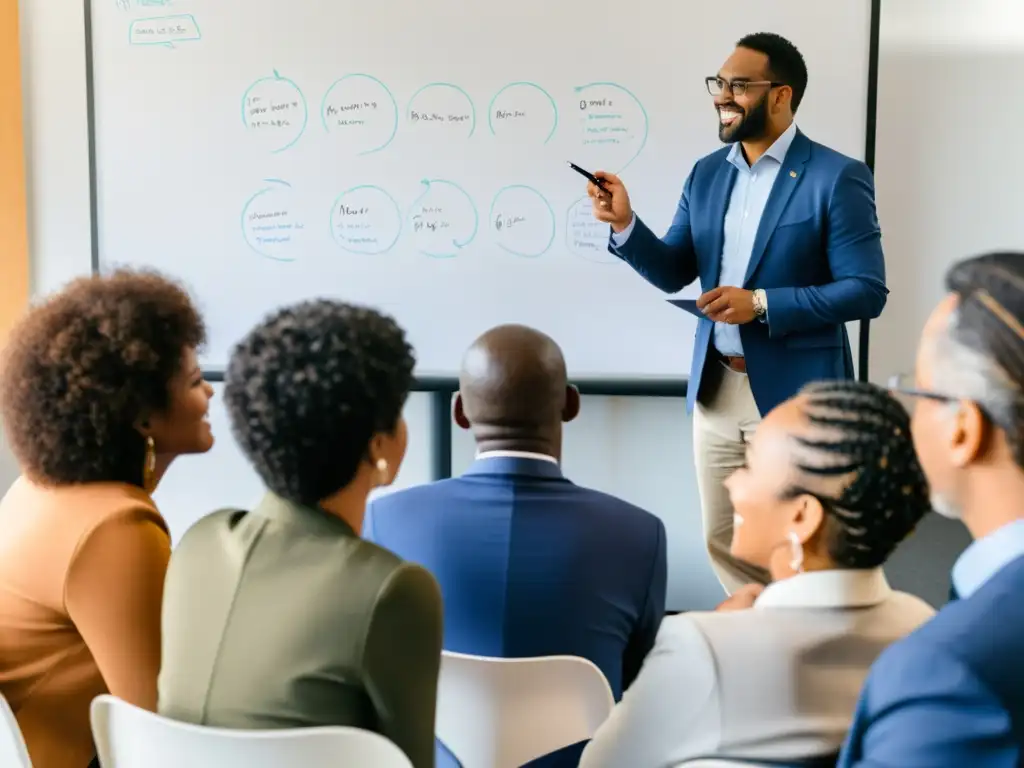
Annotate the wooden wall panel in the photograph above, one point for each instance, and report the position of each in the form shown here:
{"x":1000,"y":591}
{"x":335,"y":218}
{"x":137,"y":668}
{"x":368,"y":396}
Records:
{"x":14,"y":253}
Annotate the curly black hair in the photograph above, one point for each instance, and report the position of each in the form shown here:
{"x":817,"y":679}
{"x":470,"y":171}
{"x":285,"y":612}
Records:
{"x":82,"y":367}
{"x":309,"y":387}
{"x":860,"y":433}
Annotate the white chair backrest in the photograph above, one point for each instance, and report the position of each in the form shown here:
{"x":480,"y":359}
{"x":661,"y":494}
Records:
{"x":502,"y":713}
{"x":129,"y":737}
{"x":13,"y":751}
{"x":711,"y":762}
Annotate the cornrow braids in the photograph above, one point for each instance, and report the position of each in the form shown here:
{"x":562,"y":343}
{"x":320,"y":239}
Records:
{"x":990,"y":320}
{"x":860,"y":435}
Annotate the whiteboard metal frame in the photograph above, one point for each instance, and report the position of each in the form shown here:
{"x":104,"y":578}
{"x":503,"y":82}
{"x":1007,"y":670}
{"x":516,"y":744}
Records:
{"x":442,"y":389}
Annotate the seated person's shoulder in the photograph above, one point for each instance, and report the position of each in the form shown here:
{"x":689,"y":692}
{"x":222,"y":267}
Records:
{"x":908,"y":610}
{"x":116,"y":520}
{"x":614,"y":508}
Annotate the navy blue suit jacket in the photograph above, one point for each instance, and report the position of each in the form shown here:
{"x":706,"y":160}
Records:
{"x":530,"y":564}
{"x":951,"y":694}
{"x":817,"y":255}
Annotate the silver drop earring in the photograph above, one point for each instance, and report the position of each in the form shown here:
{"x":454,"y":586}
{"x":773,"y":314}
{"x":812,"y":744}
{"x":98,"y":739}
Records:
{"x":797,"y":552}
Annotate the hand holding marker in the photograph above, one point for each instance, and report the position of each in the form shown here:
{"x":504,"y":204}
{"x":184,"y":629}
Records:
{"x":611,"y":201}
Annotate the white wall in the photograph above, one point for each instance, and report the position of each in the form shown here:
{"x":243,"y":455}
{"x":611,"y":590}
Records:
{"x":945,"y":169}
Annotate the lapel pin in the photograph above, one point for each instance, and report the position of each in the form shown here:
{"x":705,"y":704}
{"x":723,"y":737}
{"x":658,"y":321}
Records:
{"x":792,"y":174}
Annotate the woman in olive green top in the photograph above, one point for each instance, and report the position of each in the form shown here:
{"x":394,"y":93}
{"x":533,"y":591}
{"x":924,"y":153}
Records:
{"x":283,"y":616}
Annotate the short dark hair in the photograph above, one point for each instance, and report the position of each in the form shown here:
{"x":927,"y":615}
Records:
{"x":860,"y":432}
{"x":309,"y":387}
{"x":82,"y":367}
{"x":785,"y":63}
{"x":989,"y":322}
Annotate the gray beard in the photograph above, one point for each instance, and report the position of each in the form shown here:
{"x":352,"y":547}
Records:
{"x":944,"y":507}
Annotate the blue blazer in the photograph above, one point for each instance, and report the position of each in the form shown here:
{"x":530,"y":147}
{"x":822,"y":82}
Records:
{"x":951,"y":694}
{"x":530,"y":564}
{"x":817,"y":255}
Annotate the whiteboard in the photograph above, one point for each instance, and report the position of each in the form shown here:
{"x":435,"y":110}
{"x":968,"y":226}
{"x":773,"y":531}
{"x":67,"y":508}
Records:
{"x":412,"y":156}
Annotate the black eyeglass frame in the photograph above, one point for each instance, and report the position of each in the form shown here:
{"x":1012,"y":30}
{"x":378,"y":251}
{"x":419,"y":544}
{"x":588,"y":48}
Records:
{"x":731,"y":84}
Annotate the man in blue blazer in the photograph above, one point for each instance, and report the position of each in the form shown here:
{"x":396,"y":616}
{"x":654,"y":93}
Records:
{"x":782,"y":234}
{"x":529,"y":564}
{"x":951,"y":695}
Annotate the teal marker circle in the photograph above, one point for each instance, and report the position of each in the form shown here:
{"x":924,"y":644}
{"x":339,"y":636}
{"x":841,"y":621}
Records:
{"x":643,"y":112}
{"x":387,"y":91}
{"x":472,"y":107}
{"x":551,"y":211}
{"x":245,"y":232}
{"x":605,"y":257}
{"x":524,"y":84}
{"x":368,"y":252}
{"x":457,"y":244}
{"x":302,"y":100}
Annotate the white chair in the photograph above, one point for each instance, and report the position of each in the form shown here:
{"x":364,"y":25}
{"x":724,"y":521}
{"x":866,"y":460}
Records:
{"x":501,"y":713}
{"x":13,"y":751}
{"x":711,"y":762}
{"x":129,"y":737}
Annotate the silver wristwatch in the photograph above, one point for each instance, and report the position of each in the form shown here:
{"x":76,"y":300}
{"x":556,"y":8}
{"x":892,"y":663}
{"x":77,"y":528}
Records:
{"x":760,"y":302}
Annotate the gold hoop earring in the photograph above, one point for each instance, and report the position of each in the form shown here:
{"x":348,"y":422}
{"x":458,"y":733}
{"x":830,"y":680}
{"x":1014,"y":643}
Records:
{"x":149,"y":464}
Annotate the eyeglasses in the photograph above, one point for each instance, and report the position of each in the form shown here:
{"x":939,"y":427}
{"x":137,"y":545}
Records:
{"x":903,"y":384}
{"x":738,"y":87}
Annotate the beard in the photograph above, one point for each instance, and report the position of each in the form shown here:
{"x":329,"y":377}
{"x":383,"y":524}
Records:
{"x":945,"y":507}
{"x":752,"y":124}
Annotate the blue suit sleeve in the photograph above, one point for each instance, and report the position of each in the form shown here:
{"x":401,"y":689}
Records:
{"x":922,"y":707}
{"x":669,"y":263}
{"x":653,"y":611}
{"x":854,"y":251}
{"x":368,"y":531}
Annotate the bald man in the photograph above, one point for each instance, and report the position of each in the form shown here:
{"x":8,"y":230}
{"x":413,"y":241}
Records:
{"x":529,"y":564}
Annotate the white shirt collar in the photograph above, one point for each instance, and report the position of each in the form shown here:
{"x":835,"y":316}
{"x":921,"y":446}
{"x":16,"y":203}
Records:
{"x":827,"y":589}
{"x":516,"y":455}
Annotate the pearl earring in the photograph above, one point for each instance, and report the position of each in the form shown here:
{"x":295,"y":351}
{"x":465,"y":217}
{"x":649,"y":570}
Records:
{"x":382,"y":466}
{"x":797,"y":550}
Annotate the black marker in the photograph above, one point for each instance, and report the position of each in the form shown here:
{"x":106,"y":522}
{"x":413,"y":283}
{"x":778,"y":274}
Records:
{"x":590,"y":177}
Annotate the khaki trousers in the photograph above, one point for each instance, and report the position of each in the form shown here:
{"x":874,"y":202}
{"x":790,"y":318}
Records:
{"x":724,"y":419}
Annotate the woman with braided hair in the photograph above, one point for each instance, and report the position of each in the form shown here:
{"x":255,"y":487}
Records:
{"x":830,"y":488}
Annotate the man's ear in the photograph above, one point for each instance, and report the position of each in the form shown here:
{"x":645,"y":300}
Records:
{"x":969,"y":434}
{"x":572,"y":404}
{"x":458,"y":413}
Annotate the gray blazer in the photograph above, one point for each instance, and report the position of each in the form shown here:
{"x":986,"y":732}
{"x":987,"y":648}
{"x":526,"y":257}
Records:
{"x":283,"y":617}
{"x":779,"y":681}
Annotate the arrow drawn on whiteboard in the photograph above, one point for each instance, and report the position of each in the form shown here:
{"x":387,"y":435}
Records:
{"x":416,"y":210}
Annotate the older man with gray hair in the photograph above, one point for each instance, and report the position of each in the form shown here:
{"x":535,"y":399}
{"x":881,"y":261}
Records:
{"x":952,"y":693}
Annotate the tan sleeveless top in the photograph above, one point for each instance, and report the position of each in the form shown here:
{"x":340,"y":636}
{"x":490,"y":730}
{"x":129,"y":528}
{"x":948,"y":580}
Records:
{"x":81,"y":582}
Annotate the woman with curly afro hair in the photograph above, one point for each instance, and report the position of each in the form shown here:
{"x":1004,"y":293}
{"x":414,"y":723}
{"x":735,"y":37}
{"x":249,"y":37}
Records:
{"x":100,"y":390}
{"x":284,"y":616}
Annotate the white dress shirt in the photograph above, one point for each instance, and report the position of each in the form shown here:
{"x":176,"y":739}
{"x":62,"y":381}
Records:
{"x":779,"y":681}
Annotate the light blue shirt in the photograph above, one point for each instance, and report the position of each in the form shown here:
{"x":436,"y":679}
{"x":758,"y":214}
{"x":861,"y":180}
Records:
{"x":749,"y":197}
{"x":986,"y":557}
